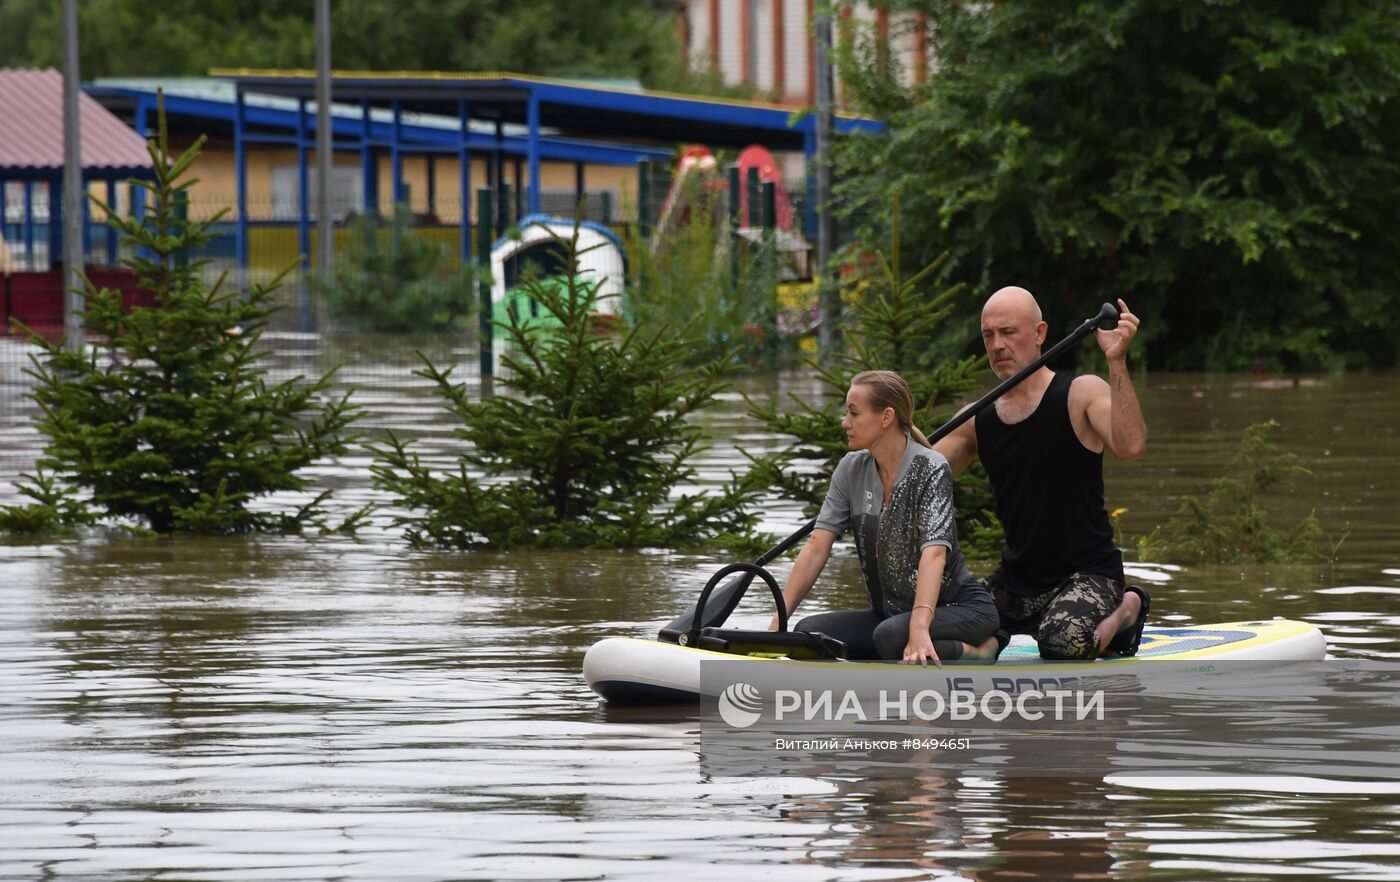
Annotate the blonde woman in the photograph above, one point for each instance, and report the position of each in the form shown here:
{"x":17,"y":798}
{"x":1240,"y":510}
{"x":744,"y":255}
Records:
{"x":896,"y":494}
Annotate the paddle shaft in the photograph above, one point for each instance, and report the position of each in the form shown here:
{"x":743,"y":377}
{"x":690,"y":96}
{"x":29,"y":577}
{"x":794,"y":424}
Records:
{"x":727,"y":596}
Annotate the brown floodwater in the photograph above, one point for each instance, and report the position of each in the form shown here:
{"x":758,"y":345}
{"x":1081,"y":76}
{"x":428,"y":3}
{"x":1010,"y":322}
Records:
{"x":354,"y":709}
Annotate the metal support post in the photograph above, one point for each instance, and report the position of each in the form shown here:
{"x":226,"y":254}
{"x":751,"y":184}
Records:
{"x":532,"y":151}
{"x":828,"y":332}
{"x":483,"y":262}
{"x":464,"y":181}
{"x":240,"y":174}
{"x":71,"y":207}
{"x":325,"y":149}
{"x":303,"y":191}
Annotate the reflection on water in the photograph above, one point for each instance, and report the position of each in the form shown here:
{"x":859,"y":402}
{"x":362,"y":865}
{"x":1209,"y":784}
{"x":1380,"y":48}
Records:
{"x":287,"y":709}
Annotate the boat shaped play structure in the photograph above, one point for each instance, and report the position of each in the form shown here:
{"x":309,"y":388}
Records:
{"x":668,"y":669}
{"x":540,"y":247}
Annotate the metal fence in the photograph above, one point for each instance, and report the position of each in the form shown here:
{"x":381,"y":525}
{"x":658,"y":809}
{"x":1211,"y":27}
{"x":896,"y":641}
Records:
{"x":277,"y":241}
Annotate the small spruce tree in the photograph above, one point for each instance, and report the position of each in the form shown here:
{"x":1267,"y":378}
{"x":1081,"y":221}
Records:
{"x":893,"y":322}
{"x":166,"y":419}
{"x":592,"y":438}
{"x":394,"y":281}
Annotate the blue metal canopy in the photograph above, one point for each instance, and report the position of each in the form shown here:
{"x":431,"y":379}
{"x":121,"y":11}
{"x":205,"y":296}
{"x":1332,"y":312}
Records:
{"x":250,"y":115}
{"x":566,"y":108}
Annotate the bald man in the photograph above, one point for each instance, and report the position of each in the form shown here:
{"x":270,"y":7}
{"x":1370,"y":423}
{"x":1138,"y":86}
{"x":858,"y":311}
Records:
{"x":1042,"y":443}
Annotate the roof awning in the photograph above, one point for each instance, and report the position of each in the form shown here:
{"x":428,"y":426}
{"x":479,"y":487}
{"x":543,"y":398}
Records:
{"x":570,"y":107}
{"x":31,"y":130}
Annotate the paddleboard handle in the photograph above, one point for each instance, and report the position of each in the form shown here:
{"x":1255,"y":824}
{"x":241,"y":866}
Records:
{"x":692,"y":637}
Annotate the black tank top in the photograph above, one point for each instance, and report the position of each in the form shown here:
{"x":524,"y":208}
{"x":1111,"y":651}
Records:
{"x":1049,"y":491}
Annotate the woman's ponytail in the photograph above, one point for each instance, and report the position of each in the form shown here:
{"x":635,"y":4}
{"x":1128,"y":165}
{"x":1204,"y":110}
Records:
{"x":888,"y":389}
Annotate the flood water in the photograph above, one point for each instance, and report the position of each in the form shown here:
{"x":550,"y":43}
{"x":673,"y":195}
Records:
{"x":334,"y":708}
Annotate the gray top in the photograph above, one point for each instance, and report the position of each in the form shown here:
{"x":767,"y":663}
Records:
{"x":890,"y":540}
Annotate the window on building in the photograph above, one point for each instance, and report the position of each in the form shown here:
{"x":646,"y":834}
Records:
{"x":347,"y":194}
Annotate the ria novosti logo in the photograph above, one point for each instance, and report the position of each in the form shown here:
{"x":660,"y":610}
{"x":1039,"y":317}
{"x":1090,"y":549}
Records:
{"x":740,"y":705}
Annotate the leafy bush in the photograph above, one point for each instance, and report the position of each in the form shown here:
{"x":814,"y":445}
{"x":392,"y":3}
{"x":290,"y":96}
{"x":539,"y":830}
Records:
{"x":1229,"y":169}
{"x":696,"y":275}
{"x":589,"y":444}
{"x":1231,"y":524}
{"x":394,"y":281}
{"x":166,"y":418}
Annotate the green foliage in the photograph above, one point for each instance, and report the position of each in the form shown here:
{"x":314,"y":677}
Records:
{"x":18,"y":19}
{"x":1230,"y":169}
{"x":585,"y":450}
{"x":394,"y":281}
{"x":54,"y":509}
{"x":1231,"y":524}
{"x":688,"y":277}
{"x":587,"y":38}
{"x":166,"y":418}
{"x":891,"y":321}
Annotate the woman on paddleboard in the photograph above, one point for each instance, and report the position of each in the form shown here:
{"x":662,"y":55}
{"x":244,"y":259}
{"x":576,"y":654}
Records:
{"x":895,"y":494}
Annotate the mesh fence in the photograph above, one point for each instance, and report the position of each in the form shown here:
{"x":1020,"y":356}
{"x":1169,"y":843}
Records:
{"x":304,"y":337}
{"x":31,"y":282}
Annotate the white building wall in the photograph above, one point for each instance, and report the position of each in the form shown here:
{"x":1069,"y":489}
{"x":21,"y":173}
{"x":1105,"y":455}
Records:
{"x":731,"y":30}
{"x":796,"y":31}
{"x":862,"y":13}
{"x":761,"y":44}
{"x":698,"y":13}
{"x":859,"y":24}
{"x":904,"y":46}
{"x":735,"y":17}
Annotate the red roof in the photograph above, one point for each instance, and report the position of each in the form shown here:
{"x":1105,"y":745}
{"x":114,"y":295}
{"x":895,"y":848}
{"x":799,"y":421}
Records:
{"x":31,"y":126}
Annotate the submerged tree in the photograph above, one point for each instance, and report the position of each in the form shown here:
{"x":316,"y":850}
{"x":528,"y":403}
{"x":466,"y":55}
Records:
{"x":892,"y":323}
{"x":1231,"y":524}
{"x":166,"y":418}
{"x":587,"y":448}
{"x":698,"y":271}
{"x":396,"y":281}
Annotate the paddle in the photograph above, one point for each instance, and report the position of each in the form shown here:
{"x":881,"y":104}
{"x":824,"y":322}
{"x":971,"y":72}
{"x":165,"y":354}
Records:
{"x":726,"y":597}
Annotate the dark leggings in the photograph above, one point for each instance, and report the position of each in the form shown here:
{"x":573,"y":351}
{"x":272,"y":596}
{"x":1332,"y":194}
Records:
{"x":971,"y":620}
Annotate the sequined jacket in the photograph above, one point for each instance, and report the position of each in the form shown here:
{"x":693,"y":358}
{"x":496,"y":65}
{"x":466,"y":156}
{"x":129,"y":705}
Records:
{"x":889,"y":540}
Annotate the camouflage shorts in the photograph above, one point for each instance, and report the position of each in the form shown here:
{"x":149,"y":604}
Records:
{"x":1063,"y":619}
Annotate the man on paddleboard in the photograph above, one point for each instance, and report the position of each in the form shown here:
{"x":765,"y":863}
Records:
{"x":1042,"y":443}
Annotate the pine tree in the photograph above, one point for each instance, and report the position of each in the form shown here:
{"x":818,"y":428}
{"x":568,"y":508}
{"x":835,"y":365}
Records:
{"x":166,"y":419}
{"x":393,"y":281}
{"x":590,"y":441}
